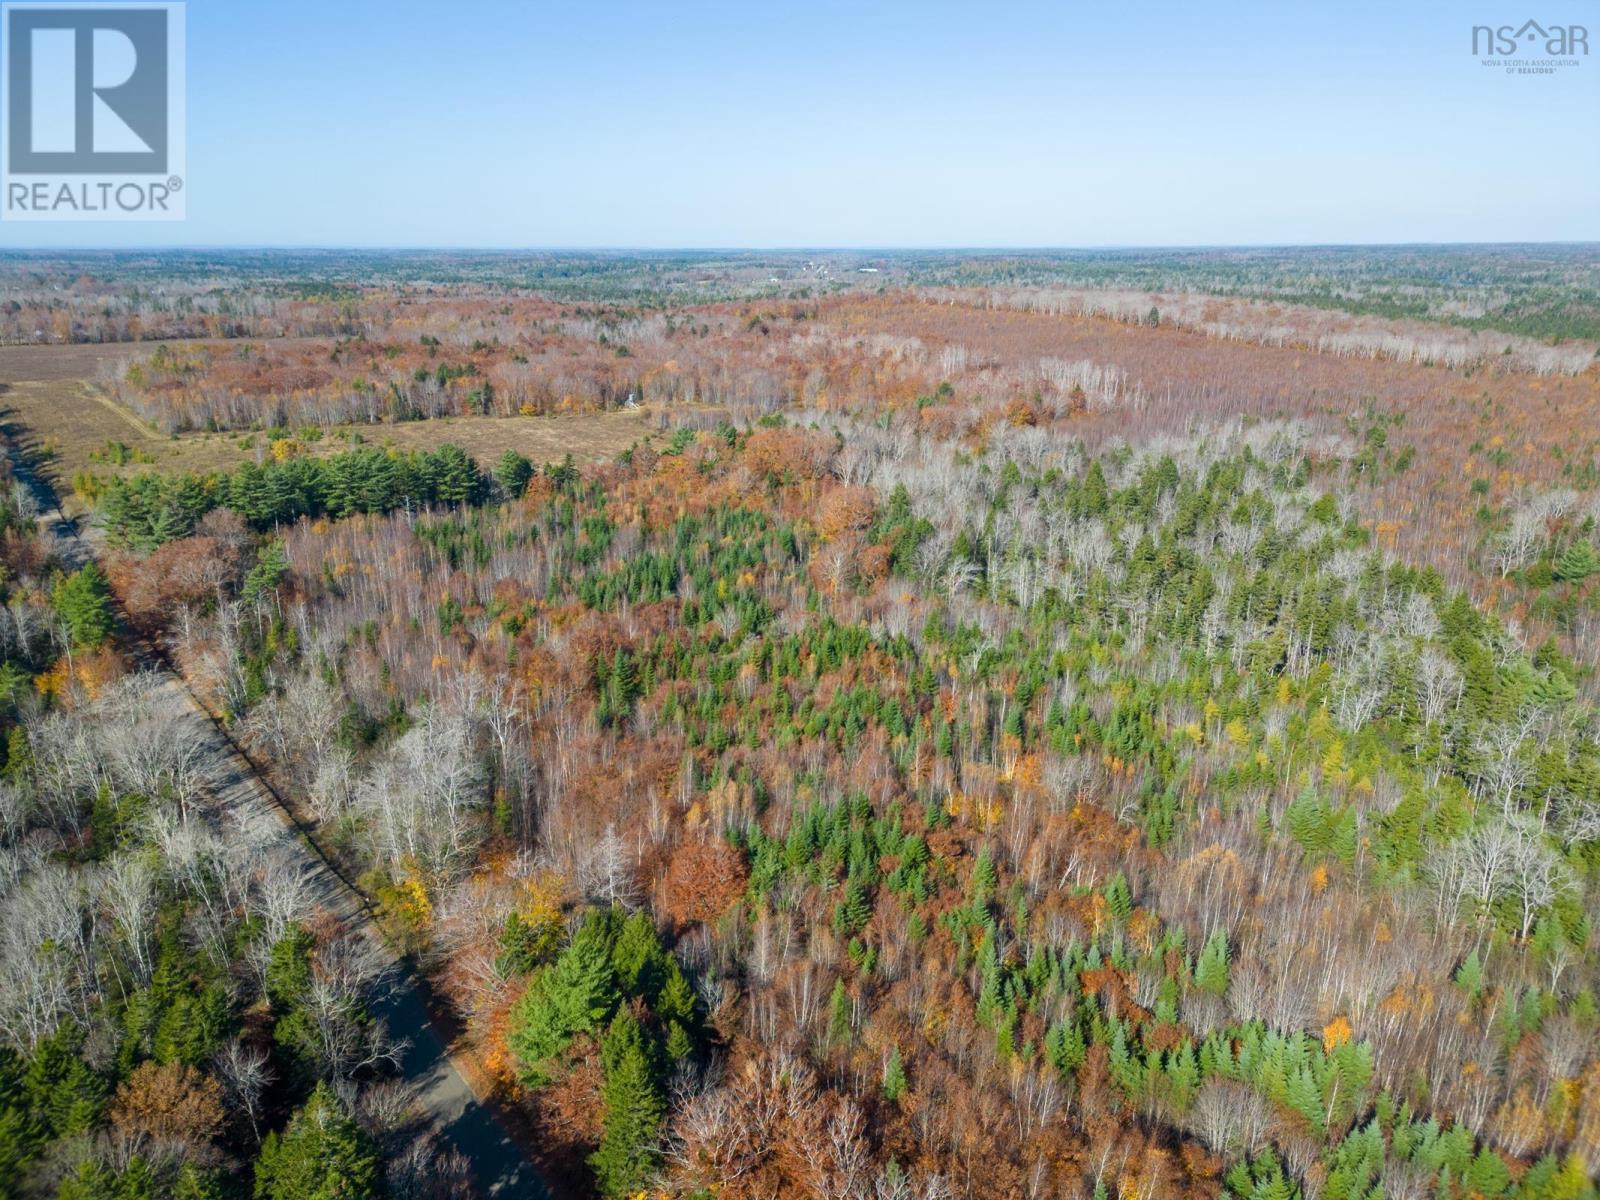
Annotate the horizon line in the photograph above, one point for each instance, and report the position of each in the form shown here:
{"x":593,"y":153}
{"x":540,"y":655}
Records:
{"x":863,"y":248}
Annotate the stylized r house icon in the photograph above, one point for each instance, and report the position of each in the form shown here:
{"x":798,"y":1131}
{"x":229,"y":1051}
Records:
{"x":87,"y":91}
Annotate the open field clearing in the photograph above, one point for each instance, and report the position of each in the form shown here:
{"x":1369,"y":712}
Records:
{"x":51,"y":391}
{"x":87,"y":360}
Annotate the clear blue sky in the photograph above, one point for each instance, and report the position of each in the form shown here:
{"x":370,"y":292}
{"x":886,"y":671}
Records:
{"x":681,"y":123}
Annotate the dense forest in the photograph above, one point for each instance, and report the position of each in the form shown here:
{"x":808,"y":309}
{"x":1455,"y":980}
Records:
{"x":1073,"y":786}
{"x":974,"y":747}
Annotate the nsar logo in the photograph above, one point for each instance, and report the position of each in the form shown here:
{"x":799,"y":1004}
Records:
{"x":1531,"y":48}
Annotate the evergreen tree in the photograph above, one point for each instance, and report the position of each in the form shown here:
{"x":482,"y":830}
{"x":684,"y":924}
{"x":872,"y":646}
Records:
{"x":288,"y":983}
{"x":1095,"y":492}
{"x":853,"y":910}
{"x":984,"y":882}
{"x":62,"y":1090}
{"x":677,"y":1009}
{"x":272,"y":564}
{"x":574,"y":996}
{"x":680,"y":1045}
{"x":19,"y":1132}
{"x":289,"y":968}
{"x":136,"y":1181}
{"x":583,"y":984}
{"x":1065,"y":1047}
{"x":1579,"y":561}
{"x":512,"y":473}
{"x":616,"y":700}
{"x":322,"y":1155}
{"x":1211,"y":972}
{"x":1305,"y":1098}
{"x":894,"y":1076}
{"x":1183,"y":1076}
{"x":525,"y":944}
{"x":95,"y":1181}
{"x":639,"y":962}
{"x":1487,"y":1175}
{"x":628,"y":1152}
{"x":454,"y":477}
{"x":1469,"y":975}
{"x":1118,"y":898}
{"x":19,"y":756}
{"x":83,"y":601}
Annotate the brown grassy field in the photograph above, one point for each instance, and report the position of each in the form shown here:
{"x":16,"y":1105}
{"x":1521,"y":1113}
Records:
{"x":50,"y":395}
{"x":54,"y":363}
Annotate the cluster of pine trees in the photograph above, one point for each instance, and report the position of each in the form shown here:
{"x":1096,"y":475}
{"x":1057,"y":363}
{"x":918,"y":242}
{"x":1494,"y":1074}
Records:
{"x":146,"y":510}
{"x":616,"y":989}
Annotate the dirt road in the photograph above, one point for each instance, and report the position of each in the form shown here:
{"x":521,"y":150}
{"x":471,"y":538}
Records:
{"x":499,"y":1167}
